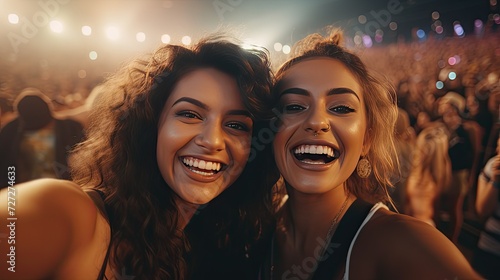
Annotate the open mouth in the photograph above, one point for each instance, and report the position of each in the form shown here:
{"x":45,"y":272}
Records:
{"x":315,"y":154}
{"x":202,"y":167}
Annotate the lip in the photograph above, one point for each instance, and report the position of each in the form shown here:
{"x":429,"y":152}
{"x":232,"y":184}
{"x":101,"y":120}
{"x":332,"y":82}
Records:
{"x":313,"y":167}
{"x":199,"y":177}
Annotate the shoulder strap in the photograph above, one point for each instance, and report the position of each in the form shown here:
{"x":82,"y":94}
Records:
{"x":98,"y":197}
{"x":341,"y":240}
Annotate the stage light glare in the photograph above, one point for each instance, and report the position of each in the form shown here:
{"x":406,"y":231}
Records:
{"x":278,"y":47}
{"x":113,"y":33}
{"x":286,"y":49}
{"x":186,"y":40}
{"x":141,"y":37}
{"x":13,"y":18}
{"x":86,"y":30}
{"x":165,"y":38}
{"x":56,"y":26}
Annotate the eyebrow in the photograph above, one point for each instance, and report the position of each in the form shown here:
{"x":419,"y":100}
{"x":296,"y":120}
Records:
{"x":192,"y":101}
{"x":205,"y":107}
{"x":332,"y":91}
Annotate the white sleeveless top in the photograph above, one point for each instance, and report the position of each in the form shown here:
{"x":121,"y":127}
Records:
{"x":368,"y":217}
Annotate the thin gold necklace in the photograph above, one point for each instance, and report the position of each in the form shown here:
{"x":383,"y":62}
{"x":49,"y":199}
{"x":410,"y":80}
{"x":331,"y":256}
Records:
{"x":328,"y":237}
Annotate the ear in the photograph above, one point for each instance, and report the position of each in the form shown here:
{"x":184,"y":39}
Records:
{"x":367,"y":143}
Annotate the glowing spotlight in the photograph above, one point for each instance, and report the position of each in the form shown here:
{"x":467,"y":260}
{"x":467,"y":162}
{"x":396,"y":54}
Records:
{"x":86,"y":30}
{"x":439,"y":85}
{"x":186,"y":40}
{"x":393,"y":26}
{"x":56,"y":26}
{"x":165,"y":38}
{"x":435,"y":15}
{"x":439,"y":30}
{"x":13,"y":18}
{"x":113,"y":33}
{"x":278,"y":47}
{"x":93,"y":55}
{"x":140,"y":37}
{"x":286,"y":49}
{"x":452,"y":76}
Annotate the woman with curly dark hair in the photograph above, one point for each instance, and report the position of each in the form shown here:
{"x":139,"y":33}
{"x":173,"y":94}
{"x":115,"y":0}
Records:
{"x":173,"y":168}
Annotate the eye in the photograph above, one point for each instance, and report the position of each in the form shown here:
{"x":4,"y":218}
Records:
{"x":342,"y":109}
{"x":238,"y":126}
{"x":293,"y":108}
{"x":189,"y":115}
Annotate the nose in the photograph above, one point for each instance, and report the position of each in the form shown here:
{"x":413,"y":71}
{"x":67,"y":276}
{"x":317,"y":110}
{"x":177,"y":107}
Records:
{"x":317,"y":122}
{"x":211,"y":138}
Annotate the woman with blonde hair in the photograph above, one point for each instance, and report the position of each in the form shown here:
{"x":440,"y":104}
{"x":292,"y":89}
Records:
{"x":430,"y":173}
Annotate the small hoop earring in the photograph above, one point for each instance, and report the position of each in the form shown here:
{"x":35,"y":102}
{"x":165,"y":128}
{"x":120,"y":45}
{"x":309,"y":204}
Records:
{"x":364,"y":168}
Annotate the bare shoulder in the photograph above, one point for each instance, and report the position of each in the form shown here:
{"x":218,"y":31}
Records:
{"x":48,"y":220}
{"x":402,"y":247}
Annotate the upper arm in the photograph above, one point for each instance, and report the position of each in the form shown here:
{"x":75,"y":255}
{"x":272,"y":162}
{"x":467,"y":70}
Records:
{"x":48,"y":219}
{"x":395,"y":246}
{"x":420,"y":251}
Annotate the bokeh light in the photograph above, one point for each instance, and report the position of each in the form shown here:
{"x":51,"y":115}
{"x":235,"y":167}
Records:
{"x":435,"y":15}
{"x":86,"y":30}
{"x":393,"y":26}
{"x":362,"y":19}
{"x":13,"y":18}
{"x":286,"y":49}
{"x":421,"y":34}
{"x":452,"y":76}
{"x":93,"y":55}
{"x":452,"y":61}
{"x":56,"y":26}
{"x":140,"y":37}
{"x":186,"y":40}
{"x":113,"y":33}
{"x":278,"y":47}
{"x":82,"y":74}
{"x":439,"y":85}
{"x":459,"y":30}
{"x":367,"y":41}
{"x":165,"y":38}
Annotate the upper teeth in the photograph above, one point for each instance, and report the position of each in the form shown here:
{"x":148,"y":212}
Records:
{"x":314,"y":149}
{"x":201,"y":164}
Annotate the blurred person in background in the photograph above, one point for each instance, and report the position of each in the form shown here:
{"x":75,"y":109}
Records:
{"x":430,"y":173}
{"x":36,"y":142}
{"x":487,"y":255}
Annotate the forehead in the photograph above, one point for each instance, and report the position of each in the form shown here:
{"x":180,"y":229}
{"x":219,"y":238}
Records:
{"x":209,"y":85}
{"x":320,"y":73}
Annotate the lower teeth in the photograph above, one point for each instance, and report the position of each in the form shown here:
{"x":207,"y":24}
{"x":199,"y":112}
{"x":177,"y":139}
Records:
{"x":202,"y":173}
{"x":312,"y":162}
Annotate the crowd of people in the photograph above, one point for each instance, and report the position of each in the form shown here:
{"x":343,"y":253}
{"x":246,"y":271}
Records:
{"x":160,"y":178}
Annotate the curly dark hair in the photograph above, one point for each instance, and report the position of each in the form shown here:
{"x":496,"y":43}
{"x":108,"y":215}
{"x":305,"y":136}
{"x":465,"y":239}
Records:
{"x":119,"y":158}
{"x":381,"y":111}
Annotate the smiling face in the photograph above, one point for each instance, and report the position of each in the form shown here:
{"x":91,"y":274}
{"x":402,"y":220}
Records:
{"x":319,"y":96}
{"x":203,"y":135}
